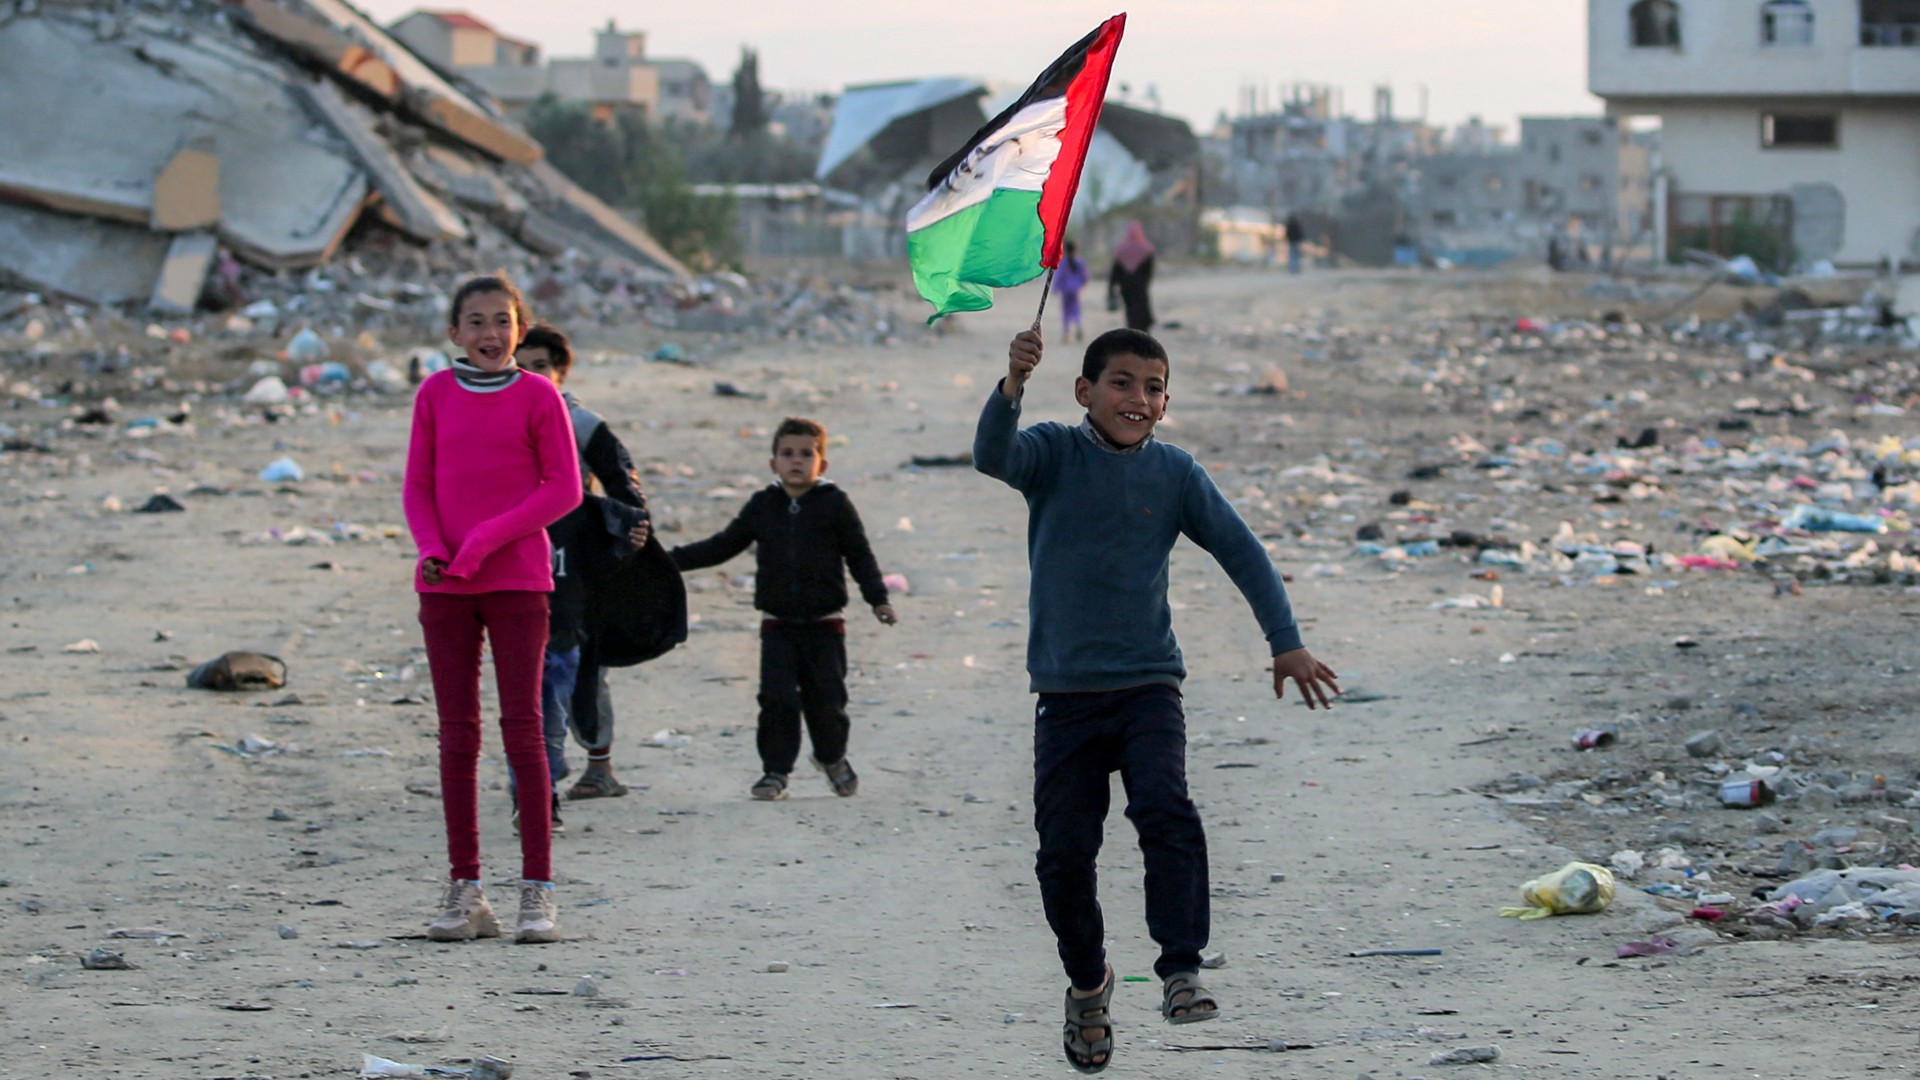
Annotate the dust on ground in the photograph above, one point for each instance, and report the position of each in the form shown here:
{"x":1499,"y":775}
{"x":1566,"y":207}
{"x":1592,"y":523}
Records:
{"x":1520,"y":579}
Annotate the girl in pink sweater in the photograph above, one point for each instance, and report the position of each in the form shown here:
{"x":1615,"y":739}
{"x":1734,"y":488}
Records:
{"x":490,"y":465}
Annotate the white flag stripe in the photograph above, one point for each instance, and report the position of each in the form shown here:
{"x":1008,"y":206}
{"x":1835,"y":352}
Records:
{"x":1017,"y":157}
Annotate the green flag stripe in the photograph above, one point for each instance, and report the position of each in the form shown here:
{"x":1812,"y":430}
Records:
{"x":959,"y":259}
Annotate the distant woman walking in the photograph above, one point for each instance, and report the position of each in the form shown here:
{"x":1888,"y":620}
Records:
{"x":1131,"y":275}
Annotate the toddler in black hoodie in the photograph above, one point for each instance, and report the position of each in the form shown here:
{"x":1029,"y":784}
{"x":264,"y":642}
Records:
{"x":806,"y":536}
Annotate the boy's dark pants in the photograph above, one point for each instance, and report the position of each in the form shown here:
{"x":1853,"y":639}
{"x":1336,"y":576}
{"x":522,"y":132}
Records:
{"x":803,"y":670}
{"x":1077,"y":740}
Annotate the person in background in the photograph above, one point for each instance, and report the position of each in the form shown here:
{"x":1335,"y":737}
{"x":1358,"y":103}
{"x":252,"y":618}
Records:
{"x":1072,"y":278}
{"x":1131,"y":278}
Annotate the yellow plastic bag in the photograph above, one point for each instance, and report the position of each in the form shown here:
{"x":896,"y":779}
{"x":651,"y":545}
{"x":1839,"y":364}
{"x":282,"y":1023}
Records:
{"x":1577,"y":888}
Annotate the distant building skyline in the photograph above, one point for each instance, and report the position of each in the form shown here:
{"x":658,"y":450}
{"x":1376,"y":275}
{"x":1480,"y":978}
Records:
{"x":1496,"y":59}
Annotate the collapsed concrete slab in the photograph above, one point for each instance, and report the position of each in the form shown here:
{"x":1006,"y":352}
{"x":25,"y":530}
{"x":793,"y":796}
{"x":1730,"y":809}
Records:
{"x":91,"y":259}
{"x":357,"y":48}
{"x":274,"y":126}
{"x":404,"y":203}
{"x":286,"y":191}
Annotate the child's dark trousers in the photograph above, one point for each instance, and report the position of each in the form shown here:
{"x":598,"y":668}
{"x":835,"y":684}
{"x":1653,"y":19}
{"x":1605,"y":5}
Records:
{"x":803,"y":671}
{"x":1078,"y":740}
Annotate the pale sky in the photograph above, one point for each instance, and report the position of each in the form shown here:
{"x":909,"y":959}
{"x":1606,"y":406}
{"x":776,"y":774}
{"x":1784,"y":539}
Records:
{"x":1493,"y":58}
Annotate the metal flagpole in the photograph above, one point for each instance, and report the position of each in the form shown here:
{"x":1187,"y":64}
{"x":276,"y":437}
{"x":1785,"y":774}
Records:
{"x":1044,"y":290}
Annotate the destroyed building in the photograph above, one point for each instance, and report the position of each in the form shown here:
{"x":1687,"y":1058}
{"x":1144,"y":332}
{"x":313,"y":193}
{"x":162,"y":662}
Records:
{"x":1390,"y":186}
{"x":886,"y":137}
{"x":142,"y":140}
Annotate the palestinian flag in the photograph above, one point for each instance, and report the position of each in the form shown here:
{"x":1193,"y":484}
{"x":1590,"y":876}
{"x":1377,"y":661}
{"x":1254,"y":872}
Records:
{"x":995,"y":213}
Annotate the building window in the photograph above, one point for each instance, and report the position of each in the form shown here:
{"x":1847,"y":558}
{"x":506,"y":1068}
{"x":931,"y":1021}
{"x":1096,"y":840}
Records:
{"x":1802,"y":130}
{"x":1590,"y":182}
{"x":1494,"y":183}
{"x":1655,"y":24}
{"x":1891,"y":24}
{"x":1786,"y":22}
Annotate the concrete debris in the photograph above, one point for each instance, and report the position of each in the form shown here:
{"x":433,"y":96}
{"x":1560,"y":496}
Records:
{"x":183,"y":273}
{"x":208,"y":120}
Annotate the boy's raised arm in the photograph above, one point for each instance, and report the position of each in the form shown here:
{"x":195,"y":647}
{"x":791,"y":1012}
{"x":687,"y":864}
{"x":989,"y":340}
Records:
{"x":1000,"y":449}
{"x":1023,"y":355}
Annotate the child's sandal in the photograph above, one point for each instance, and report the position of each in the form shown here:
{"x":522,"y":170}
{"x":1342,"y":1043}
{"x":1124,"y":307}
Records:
{"x":1087,"y":1014}
{"x":1197,"y":1005}
{"x":840,"y":776}
{"x":770,"y":786}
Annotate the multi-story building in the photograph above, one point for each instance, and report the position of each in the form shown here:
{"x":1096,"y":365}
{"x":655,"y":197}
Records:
{"x":1790,"y":129}
{"x":617,"y":78}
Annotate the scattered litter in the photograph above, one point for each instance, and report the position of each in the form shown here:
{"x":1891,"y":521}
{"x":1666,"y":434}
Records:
{"x":1575,"y":889}
{"x":107,"y":960}
{"x":282,"y":470}
{"x":1657,"y":945}
{"x":1465,"y":1055}
{"x":239,"y":670}
{"x":252,"y":747}
{"x":484,"y":1068}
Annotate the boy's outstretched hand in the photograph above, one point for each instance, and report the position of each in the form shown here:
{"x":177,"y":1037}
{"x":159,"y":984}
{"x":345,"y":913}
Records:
{"x":1314,"y":678}
{"x":884,"y":612}
{"x":1023,"y":355}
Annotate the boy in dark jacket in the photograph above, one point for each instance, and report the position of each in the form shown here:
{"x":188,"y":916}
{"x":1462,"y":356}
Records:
{"x":578,"y":687}
{"x":806,"y":536}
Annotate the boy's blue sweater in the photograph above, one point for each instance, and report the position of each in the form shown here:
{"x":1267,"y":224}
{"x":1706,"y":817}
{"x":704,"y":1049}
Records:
{"x":1101,"y":525}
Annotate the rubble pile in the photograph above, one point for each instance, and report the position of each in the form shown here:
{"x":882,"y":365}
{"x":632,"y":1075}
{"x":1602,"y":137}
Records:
{"x":1589,"y":460}
{"x":264,"y":135}
{"x":368,"y":324}
{"x":273,"y":203}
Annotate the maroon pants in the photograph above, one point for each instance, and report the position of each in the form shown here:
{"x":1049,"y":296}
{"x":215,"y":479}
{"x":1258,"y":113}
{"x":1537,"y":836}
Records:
{"x":516,"y":624}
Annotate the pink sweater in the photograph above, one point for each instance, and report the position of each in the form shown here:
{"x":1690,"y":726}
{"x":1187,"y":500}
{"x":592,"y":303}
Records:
{"x":487,"y":472}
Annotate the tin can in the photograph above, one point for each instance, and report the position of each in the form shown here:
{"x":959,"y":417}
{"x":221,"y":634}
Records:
{"x":1745,"y":792}
{"x":1593,"y":738}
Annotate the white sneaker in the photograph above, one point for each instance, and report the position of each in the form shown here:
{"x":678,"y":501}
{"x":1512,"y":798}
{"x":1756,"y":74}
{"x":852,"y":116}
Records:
{"x":465,"y":915}
{"x":539,"y":915}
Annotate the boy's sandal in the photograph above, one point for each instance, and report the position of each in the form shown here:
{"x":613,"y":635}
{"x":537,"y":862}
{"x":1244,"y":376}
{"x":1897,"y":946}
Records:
{"x":596,"y":785}
{"x":770,"y":786}
{"x":1084,"y":1015}
{"x":840,"y":776}
{"x":1197,"y":1005}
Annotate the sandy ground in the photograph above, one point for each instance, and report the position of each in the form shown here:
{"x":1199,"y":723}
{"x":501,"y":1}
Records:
{"x":908,"y":915}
